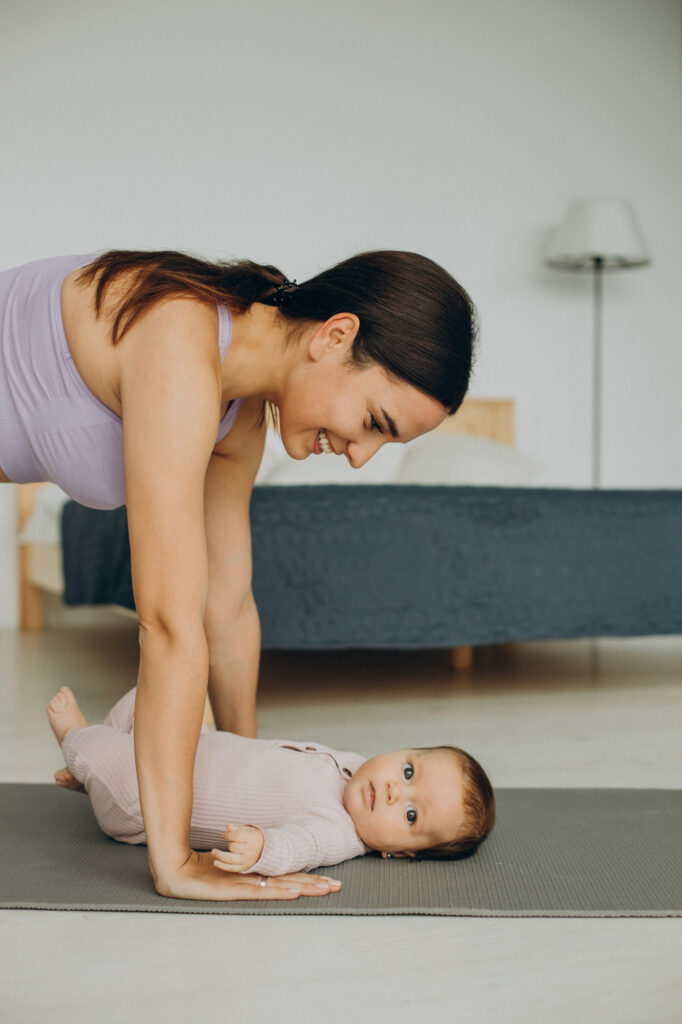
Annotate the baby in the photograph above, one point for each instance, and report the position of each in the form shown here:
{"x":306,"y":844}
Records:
{"x":288,"y":806}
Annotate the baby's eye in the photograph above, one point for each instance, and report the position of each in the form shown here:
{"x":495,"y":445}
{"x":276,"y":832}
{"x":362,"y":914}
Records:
{"x":376,"y":426}
{"x":408,"y":771}
{"x":411,"y":815}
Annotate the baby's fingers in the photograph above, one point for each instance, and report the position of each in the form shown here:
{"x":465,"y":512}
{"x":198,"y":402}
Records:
{"x":237,"y":831}
{"x":227,"y":860}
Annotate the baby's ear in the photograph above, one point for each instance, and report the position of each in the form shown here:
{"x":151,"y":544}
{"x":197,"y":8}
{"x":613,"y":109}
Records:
{"x":407,"y":853}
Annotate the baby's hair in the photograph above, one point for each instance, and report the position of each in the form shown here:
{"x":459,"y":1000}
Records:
{"x":479,"y":811}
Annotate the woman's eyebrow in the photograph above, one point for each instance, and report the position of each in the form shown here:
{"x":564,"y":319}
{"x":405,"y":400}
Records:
{"x":391,"y":425}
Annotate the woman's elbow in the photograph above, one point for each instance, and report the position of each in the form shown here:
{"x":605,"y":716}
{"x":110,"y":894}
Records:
{"x":157,"y":627}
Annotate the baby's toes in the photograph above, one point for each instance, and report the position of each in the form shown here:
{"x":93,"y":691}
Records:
{"x":61,"y":700}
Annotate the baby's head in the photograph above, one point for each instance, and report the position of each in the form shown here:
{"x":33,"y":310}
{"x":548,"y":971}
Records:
{"x":432,"y":802}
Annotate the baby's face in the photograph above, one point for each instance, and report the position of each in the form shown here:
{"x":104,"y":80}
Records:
{"x":407,"y":800}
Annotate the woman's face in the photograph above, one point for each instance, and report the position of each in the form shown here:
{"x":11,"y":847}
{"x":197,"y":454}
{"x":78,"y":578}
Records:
{"x":331,"y":406}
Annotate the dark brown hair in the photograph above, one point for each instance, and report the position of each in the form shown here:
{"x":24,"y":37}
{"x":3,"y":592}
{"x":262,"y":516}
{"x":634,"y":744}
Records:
{"x":415,"y":319}
{"x":479,"y":811}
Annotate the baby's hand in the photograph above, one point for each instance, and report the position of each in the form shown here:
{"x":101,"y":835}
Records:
{"x":245,"y":847}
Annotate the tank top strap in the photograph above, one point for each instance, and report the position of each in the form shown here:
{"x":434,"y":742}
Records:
{"x":224,"y":338}
{"x":224,"y":330}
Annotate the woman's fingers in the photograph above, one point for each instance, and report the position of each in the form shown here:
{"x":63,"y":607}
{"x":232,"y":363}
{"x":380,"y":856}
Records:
{"x":302,"y":876}
{"x":276,"y":888}
{"x":308,"y":885}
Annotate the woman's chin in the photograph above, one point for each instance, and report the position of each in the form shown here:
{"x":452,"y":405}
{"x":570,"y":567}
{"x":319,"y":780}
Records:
{"x":298,"y":452}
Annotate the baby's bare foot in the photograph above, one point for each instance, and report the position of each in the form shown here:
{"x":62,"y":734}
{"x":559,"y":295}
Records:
{"x":64,"y":714}
{"x":64,"y":777}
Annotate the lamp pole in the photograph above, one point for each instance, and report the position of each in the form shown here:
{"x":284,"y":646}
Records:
{"x":597,"y":235}
{"x":597,"y":278}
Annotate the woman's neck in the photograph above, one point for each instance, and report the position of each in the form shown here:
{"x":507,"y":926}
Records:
{"x":257,"y":360}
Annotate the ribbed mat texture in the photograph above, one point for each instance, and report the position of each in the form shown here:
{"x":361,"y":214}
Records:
{"x":553,"y":853}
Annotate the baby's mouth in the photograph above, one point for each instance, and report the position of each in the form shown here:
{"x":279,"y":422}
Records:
{"x":371,"y":795}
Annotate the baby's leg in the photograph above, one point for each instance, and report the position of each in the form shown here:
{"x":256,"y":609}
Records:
{"x":103,"y":760}
{"x":122,"y":714}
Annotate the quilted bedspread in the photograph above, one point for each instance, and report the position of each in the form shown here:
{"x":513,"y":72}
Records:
{"x":412,"y":566}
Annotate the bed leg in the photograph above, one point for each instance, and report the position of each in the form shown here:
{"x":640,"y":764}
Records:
{"x":31,"y":599}
{"x":461,"y":659}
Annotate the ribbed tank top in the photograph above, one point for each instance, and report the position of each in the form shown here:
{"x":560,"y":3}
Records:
{"x":52,"y":427}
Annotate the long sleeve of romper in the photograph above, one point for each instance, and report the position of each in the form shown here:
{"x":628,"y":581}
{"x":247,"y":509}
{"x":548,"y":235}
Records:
{"x":310,"y":841}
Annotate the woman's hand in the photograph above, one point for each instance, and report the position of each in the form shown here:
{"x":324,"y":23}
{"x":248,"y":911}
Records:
{"x":197,"y":879}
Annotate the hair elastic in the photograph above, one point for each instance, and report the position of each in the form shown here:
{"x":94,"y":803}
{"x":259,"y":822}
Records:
{"x":282,"y":291}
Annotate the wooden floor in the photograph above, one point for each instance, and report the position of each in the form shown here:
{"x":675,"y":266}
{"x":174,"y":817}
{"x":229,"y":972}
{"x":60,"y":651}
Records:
{"x":553,"y":714}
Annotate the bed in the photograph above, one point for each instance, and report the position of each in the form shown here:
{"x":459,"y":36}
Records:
{"x":414,"y":564}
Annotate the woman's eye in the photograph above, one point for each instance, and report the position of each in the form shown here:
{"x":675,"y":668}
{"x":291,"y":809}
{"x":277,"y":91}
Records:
{"x":411,"y":815}
{"x":408,"y":771}
{"x":376,"y":426}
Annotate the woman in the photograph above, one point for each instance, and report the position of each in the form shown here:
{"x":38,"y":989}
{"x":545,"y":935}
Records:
{"x":143,"y":378}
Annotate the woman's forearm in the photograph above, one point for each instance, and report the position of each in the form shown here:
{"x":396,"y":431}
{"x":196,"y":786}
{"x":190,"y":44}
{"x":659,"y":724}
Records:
{"x":234,"y":655}
{"x":168,"y":714}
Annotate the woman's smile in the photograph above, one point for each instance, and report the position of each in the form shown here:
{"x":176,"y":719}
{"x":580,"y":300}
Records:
{"x":324,"y":444}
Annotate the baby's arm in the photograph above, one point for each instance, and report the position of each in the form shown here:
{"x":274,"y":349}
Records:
{"x":307,"y":842}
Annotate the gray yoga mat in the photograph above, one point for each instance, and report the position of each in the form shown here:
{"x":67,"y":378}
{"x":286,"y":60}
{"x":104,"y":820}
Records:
{"x":553,"y":853}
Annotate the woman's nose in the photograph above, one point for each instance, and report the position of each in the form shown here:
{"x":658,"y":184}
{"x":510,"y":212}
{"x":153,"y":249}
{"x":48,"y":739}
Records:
{"x":360,"y":452}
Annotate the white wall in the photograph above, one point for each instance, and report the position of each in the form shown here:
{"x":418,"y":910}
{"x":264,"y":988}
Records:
{"x":298,"y":133}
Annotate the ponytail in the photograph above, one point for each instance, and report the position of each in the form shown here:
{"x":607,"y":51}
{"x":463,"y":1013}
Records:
{"x":415,"y":319}
{"x":159,"y":275}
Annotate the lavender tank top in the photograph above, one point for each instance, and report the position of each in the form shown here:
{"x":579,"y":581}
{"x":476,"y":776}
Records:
{"x":52,"y":427}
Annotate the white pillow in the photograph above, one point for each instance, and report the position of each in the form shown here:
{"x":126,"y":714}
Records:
{"x":382,"y":468}
{"x":464,"y":459}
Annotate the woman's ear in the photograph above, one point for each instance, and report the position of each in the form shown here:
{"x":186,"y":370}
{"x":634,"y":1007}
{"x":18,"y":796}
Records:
{"x":337,"y":333}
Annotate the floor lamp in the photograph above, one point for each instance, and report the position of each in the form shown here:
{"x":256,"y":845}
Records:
{"x":597,"y":235}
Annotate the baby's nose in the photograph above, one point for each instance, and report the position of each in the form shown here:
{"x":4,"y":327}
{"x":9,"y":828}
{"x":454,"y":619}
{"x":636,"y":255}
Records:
{"x":391,"y":792}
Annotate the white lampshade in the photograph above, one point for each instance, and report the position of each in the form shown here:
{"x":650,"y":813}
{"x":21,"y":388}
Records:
{"x":603,"y":231}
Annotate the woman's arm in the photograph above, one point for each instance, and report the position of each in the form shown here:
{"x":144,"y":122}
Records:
{"x":170,"y":398}
{"x":231,"y":621}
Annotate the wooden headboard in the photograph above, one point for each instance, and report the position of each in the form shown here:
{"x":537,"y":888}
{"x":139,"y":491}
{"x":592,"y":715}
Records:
{"x":491,"y":418}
